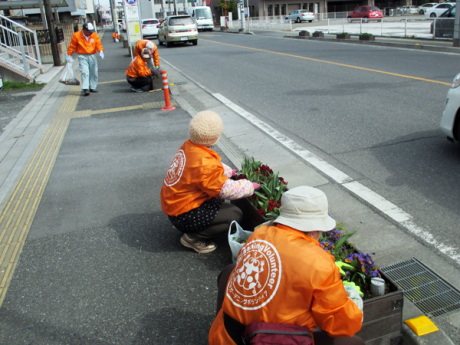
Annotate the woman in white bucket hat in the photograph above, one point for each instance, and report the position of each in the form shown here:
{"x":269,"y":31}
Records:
{"x":282,"y":275}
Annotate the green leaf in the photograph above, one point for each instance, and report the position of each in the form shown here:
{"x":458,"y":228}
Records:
{"x":260,"y":196}
{"x":344,"y":238}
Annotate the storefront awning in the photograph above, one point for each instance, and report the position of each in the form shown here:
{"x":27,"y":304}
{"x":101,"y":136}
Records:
{"x":21,"y":5}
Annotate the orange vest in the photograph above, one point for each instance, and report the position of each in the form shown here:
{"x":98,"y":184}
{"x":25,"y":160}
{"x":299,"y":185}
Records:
{"x":138,"y":68}
{"x":194,"y":176}
{"x":141,"y":45}
{"x":116,"y":35}
{"x":81,"y":45}
{"x":284,"y":276}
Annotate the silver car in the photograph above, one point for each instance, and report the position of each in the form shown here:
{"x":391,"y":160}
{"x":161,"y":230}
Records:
{"x":450,"y":122}
{"x":300,"y":16}
{"x":150,"y":27}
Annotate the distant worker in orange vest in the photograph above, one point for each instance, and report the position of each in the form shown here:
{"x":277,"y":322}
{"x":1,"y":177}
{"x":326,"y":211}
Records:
{"x":141,"y":44}
{"x":85,"y":43}
{"x":116,"y":37}
{"x":138,"y":74}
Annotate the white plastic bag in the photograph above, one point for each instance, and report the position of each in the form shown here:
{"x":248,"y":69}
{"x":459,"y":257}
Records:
{"x":236,"y":234}
{"x":67,"y":76}
{"x":116,"y":40}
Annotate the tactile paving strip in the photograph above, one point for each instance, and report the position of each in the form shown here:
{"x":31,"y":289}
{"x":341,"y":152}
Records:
{"x":429,"y":292}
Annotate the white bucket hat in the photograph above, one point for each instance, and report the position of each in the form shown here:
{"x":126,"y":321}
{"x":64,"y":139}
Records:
{"x":306,"y":209}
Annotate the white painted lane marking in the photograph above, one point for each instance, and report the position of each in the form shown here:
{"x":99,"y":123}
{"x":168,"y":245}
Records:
{"x":375,"y":200}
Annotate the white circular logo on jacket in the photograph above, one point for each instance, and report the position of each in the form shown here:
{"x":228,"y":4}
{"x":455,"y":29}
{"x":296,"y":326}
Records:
{"x":257,"y":275}
{"x":175,"y":169}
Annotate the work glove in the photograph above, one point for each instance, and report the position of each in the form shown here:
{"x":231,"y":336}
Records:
{"x":255,"y":185}
{"x":356,"y":287}
{"x":354,"y":295}
{"x":342,"y":265}
{"x":69,"y":59}
{"x":157,"y":67}
{"x":101,"y":54}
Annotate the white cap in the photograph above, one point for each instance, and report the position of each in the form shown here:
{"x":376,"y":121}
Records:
{"x":150,"y":45}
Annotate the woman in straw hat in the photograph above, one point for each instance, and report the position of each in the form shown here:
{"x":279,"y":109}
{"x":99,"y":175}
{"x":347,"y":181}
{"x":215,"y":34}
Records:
{"x":197,"y":183}
{"x":283,"y":276}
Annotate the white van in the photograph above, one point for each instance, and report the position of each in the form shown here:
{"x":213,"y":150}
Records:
{"x":202,"y":16}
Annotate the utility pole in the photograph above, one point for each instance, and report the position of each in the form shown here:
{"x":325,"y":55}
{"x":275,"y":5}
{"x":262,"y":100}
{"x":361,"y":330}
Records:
{"x":456,"y":40}
{"x":52,"y":33}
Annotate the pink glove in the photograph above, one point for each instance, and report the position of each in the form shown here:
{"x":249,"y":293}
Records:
{"x":255,"y":185}
{"x":234,"y":172}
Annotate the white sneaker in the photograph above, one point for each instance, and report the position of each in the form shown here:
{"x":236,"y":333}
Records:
{"x":199,"y":246}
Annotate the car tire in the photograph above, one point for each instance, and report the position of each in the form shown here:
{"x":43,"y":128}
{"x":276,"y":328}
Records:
{"x":298,"y":20}
{"x":286,"y":20}
{"x":195,"y":42}
{"x":433,"y":15}
{"x":169,"y":44}
{"x":159,"y":41}
{"x":310,"y":21}
{"x":421,"y":12}
{"x":349,"y":19}
{"x":365,"y":20}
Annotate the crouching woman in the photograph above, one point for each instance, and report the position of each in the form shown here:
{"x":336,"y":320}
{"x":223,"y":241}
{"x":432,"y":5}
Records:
{"x":197,"y":183}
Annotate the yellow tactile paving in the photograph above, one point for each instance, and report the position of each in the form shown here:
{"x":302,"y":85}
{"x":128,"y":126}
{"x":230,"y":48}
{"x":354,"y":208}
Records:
{"x":19,"y":212}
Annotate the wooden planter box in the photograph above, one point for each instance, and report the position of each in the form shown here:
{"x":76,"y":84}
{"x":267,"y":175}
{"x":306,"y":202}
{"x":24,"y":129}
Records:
{"x":125,"y":44}
{"x":343,"y":36}
{"x":382,"y":324}
{"x":304,"y":34}
{"x":318,"y":34}
{"x":366,"y":38}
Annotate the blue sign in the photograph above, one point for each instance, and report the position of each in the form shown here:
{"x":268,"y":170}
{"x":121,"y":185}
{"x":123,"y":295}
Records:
{"x":131,"y":2}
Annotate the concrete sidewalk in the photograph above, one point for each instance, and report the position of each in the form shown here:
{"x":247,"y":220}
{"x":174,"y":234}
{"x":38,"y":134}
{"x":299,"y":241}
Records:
{"x":100,"y":264}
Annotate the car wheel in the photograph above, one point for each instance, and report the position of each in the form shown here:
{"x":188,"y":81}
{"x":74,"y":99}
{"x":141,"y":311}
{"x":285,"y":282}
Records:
{"x":310,"y":21}
{"x":159,"y":41}
{"x":169,"y":44}
{"x":286,"y":20}
{"x":298,"y":20}
{"x":421,"y":12}
{"x":195,"y":42}
{"x":365,"y":20}
{"x":349,"y":19}
{"x":433,"y":15}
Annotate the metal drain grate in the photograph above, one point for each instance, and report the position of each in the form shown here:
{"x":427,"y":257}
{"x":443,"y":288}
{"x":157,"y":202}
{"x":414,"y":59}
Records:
{"x":429,"y":292}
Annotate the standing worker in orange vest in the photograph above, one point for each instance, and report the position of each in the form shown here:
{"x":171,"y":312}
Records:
{"x":142,"y":44}
{"x":284,"y":276}
{"x":85,"y":43}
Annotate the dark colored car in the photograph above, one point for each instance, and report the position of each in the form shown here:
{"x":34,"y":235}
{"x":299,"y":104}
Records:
{"x":444,"y":24}
{"x":366,"y":13}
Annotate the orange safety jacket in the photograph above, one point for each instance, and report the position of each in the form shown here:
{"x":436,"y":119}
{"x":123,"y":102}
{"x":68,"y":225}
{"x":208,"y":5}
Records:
{"x":138,"y":68}
{"x":81,"y":45}
{"x":141,"y":45}
{"x":194,"y":176}
{"x":116,"y":35}
{"x":284,"y":276}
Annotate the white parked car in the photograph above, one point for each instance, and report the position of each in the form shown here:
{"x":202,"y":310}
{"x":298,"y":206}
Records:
{"x":409,"y":9}
{"x":438,"y":9}
{"x":300,"y":16}
{"x":422,"y":8}
{"x":150,"y":27}
{"x":450,"y":121}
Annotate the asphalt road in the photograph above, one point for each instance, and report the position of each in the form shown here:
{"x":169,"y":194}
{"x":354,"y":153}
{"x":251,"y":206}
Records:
{"x":372,"y":112}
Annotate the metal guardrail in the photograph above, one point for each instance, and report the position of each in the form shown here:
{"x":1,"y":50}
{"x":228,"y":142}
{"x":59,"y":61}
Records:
{"x":18,"y":42}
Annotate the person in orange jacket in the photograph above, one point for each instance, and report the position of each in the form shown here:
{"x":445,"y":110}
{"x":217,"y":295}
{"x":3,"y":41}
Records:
{"x":116,"y":36}
{"x":142,"y":44}
{"x":85,"y":43}
{"x":196,"y":184}
{"x":282,"y":275}
{"x":138,"y":74}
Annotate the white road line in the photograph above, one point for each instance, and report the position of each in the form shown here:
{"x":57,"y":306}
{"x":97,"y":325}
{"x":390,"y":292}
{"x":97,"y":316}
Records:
{"x":373,"y":199}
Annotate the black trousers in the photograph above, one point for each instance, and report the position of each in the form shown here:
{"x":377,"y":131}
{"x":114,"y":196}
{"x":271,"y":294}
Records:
{"x":144,"y":83}
{"x":321,"y":337}
{"x":220,"y":224}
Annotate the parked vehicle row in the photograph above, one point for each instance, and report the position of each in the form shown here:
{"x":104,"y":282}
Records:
{"x":438,"y":9}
